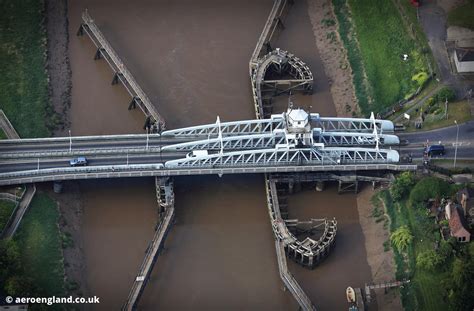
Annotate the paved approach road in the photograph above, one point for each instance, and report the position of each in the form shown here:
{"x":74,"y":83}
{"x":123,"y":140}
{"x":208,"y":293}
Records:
{"x":447,"y":137}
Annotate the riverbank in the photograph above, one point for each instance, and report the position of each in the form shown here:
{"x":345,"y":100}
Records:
{"x":374,"y":223}
{"x":70,"y":201}
{"x":333,"y":56}
{"x":58,"y":67}
{"x":39,"y":268}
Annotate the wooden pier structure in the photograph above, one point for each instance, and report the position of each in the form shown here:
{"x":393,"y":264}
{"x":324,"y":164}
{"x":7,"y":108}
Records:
{"x":385,"y":286}
{"x":274,"y":71}
{"x":308,"y":252}
{"x":273,"y":24}
{"x":165,"y":198}
{"x":154,"y":121}
{"x":290,"y":283}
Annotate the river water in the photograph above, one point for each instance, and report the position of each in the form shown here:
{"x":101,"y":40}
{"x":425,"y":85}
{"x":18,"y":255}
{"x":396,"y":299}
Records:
{"x":191,"y":58}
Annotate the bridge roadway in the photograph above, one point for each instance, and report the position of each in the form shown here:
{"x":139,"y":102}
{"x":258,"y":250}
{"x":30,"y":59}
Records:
{"x":327,"y":130}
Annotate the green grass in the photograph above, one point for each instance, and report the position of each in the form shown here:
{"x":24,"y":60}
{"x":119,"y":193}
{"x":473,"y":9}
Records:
{"x":6,"y":209}
{"x":459,"y":111}
{"x":462,"y":16}
{"x":39,"y":240}
{"x":361,"y":87}
{"x":408,"y":12}
{"x":2,"y":134}
{"x":23,"y":82}
{"x":383,"y":38}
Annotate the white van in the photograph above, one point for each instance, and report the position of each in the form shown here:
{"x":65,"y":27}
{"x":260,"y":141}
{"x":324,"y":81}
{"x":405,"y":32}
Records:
{"x":196,"y":153}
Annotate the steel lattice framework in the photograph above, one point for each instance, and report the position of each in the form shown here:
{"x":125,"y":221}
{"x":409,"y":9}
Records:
{"x":301,"y":156}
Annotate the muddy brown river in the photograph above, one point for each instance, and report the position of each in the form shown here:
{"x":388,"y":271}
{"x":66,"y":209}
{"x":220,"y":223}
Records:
{"x":191,"y":58}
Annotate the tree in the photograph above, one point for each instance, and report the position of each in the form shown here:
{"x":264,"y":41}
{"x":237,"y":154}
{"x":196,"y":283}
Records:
{"x":402,"y":185}
{"x":429,"y":188}
{"x":429,"y":260}
{"x":445,"y":93}
{"x":401,"y":238}
{"x":461,"y":295}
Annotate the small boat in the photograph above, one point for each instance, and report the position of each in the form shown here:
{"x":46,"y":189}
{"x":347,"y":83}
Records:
{"x":350,"y":293}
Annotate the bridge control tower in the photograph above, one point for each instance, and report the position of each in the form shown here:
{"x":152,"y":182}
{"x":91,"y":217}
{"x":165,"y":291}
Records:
{"x":297,"y":129}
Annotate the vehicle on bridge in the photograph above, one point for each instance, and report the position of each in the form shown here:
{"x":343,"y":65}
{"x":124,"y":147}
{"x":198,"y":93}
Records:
{"x":79,"y":161}
{"x":434,"y":150}
{"x":196,"y":153}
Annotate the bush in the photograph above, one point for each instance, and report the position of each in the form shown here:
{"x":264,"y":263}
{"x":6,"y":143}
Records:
{"x":402,"y":185}
{"x":429,"y":260}
{"x":401,"y":238}
{"x":420,"y":78}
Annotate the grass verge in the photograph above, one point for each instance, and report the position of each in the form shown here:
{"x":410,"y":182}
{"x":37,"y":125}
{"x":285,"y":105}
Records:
{"x":459,"y":111}
{"x":6,"y":209}
{"x":24,"y":82}
{"x":38,"y":238}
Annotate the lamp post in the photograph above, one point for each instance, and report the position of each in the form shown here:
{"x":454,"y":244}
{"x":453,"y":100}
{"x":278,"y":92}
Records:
{"x":70,"y":142}
{"x":456,"y":147}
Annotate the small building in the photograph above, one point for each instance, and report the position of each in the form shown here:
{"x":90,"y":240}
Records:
{"x":464,"y":59}
{"x":457,"y":222}
{"x":460,"y":44}
{"x":465,"y":197}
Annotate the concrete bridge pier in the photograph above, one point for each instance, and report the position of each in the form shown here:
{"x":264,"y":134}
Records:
{"x":58,"y":187}
{"x":319,"y":186}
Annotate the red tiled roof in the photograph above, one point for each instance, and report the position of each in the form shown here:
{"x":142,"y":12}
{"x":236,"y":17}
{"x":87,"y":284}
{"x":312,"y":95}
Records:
{"x":455,"y":223}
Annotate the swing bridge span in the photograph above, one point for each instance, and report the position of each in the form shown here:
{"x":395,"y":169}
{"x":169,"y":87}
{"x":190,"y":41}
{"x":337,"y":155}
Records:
{"x":293,"y":141}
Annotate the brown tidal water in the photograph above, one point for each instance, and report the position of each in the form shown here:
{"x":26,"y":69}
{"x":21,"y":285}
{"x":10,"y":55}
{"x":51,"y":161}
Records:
{"x":346,"y":265}
{"x":191,"y":58}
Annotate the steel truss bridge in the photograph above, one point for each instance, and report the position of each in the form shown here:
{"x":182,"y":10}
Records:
{"x":276,"y":144}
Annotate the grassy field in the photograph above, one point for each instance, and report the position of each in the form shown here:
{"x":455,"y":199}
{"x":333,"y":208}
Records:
{"x":462,"y":16}
{"x":376,"y":36}
{"x":23,"y":82}
{"x":6,"y":209}
{"x":40,"y":245}
{"x":383,"y":38}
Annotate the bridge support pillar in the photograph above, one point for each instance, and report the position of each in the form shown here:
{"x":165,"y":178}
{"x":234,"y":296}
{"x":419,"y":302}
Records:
{"x":98,"y":53}
{"x":280,"y":23}
{"x":80,"y":31}
{"x":319,"y":186}
{"x":58,"y":187}
{"x":148,"y":124}
{"x":268,"y":46}
{"x":115,"y":79}
{"x":133,"y":104}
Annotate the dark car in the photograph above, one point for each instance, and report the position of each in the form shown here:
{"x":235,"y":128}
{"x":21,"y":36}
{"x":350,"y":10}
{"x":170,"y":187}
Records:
{"x":79,"y":161}
{"x":434,"y":150}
